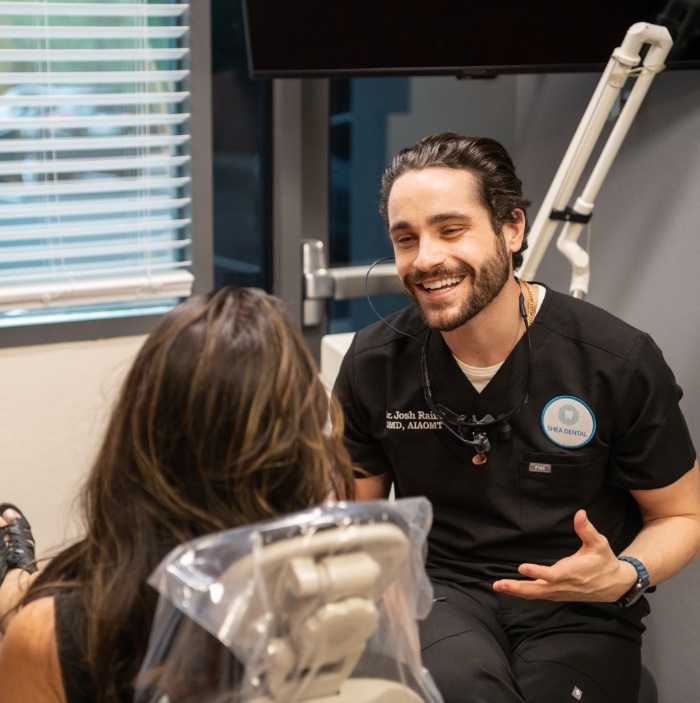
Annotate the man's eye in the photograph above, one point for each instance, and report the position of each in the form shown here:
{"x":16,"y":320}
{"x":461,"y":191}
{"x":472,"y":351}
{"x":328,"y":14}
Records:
{"x":403,"y":241}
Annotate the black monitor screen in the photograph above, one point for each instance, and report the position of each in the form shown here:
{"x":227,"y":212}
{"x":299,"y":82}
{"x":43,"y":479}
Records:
{"x":287,"y":38}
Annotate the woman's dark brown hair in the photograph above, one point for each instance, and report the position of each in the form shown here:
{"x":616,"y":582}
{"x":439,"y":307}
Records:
{"x":222,"y":421}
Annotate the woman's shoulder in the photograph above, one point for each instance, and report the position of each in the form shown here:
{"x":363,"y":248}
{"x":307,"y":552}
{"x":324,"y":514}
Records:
{"x":34,"y":622}
{"x":29,"y":665}
{"x":38,"y":613}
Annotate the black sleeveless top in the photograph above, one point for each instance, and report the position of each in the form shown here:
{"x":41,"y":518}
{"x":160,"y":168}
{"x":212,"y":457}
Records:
{"x":76,"y":676}
{"x":213,"y":671}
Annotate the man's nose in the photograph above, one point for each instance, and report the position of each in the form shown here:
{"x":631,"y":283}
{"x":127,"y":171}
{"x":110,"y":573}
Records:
{"x":430,"y":254}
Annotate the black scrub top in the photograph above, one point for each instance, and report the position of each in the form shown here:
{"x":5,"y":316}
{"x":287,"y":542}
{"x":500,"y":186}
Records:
{"x":602,"y":418}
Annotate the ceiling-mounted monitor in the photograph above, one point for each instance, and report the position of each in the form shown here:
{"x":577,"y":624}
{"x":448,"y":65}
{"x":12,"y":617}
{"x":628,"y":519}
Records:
{"x":467,"y":38}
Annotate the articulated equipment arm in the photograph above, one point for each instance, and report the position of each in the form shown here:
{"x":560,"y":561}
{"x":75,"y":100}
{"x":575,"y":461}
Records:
{"x":555,"y":210}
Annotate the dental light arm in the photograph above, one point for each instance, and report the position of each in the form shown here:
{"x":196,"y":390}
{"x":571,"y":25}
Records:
{"x":623,"y":64}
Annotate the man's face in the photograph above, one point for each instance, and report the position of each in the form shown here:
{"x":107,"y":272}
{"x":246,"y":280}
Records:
{"x":448,"y":256}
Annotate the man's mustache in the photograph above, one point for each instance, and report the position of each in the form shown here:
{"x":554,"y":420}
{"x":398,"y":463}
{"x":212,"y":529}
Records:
{"x":418,"y":277}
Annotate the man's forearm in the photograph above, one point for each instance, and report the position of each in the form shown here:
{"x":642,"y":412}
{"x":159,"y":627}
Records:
{"x":666,"y":545}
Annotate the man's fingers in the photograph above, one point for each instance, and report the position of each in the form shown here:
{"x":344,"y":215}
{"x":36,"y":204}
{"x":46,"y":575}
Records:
{"x":530,"y":590}
{"x":536,"y":571}
{"x":585,"y":529}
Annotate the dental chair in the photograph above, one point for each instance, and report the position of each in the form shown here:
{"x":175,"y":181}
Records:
{"x":318,"y":606}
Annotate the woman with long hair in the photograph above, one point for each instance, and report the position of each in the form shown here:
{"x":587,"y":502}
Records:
{"x":222,"y":421}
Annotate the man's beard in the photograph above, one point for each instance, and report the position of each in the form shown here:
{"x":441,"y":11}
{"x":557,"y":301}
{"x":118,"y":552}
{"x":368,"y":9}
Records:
{"x":487,"y":283}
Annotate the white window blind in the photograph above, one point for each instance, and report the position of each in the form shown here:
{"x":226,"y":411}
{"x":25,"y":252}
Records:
{"x":94,"y":158}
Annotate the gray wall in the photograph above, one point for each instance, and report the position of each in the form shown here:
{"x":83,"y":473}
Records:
{"x":644,"y":259}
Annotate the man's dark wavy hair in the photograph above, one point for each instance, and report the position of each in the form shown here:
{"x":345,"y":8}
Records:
{"x":500,"y":190}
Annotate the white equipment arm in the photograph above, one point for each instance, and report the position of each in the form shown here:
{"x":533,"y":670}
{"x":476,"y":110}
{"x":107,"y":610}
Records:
{"x":623,"y":63}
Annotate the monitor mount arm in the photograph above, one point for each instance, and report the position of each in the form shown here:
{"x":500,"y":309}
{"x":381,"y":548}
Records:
{"x":623,"y":64}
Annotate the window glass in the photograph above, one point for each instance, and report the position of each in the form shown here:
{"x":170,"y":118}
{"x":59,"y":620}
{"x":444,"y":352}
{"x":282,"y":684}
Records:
{"x":94,"y":159}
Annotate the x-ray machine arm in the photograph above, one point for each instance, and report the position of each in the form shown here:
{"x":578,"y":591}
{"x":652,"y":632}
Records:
{"x":623,"y":64}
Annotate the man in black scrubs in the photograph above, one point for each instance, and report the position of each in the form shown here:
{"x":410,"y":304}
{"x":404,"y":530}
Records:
{"x":546,"y":433}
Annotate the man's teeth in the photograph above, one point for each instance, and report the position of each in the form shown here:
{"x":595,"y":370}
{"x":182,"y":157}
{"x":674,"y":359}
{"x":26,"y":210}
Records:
{"x":443,"y":283}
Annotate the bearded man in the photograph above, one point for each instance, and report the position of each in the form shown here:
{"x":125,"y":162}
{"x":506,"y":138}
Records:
{"x":546,"y":433}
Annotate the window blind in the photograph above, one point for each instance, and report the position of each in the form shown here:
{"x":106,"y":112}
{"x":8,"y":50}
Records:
{"x":94,"y":157}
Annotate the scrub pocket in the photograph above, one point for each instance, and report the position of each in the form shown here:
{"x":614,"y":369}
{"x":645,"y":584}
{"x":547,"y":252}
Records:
{"x":554,"y":486}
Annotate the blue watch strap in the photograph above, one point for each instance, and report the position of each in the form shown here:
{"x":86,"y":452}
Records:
{"x":639,"y":587}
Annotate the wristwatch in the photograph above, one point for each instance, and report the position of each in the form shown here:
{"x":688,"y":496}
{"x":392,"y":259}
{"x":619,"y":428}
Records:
{"x":639,"y":586}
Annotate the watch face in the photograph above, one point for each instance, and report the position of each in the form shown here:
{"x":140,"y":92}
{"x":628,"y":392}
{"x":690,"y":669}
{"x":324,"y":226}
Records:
{"x":634,"y":594}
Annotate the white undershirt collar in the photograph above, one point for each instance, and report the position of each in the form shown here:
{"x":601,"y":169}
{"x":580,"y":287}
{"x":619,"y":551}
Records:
{"x":479,"y":376}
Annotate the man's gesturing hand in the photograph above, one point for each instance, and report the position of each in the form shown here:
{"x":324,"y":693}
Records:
{"x":592,"y":574}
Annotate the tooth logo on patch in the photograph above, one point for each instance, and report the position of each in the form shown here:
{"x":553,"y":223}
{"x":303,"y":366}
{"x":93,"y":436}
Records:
{"x":568,"y":422}
{"x":568,"y":415}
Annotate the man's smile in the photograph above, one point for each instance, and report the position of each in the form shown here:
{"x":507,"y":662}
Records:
{"x":441,"y":285}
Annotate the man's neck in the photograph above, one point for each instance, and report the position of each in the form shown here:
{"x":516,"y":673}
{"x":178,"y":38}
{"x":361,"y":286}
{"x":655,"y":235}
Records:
{"x":489,"y":337}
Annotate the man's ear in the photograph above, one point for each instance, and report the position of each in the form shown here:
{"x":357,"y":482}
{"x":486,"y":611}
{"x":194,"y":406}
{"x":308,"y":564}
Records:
{"x":514,"y":230}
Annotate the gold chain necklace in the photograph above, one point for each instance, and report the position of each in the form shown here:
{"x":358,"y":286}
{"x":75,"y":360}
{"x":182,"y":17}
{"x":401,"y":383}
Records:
{"x":530,"y":303}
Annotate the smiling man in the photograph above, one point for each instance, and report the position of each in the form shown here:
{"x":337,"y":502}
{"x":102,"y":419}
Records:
{"x":546,"y":433}
{"x":481,"y":261}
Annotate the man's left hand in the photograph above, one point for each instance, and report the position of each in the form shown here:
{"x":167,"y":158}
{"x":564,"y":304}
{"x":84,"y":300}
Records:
{"x":592,"y":574}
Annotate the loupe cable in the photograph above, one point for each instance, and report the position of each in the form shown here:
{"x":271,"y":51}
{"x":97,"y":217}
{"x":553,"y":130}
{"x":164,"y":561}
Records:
{"x":480,"y":440}
{"x":371,"y":304}
{"x":478,"y":428}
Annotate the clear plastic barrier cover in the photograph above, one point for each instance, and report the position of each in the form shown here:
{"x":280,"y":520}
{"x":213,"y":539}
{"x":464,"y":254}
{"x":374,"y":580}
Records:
{"x":320,"y":605}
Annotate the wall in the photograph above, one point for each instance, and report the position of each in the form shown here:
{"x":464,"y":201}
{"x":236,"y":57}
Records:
{"x":54,"y":402}
{"x":644,"y":257}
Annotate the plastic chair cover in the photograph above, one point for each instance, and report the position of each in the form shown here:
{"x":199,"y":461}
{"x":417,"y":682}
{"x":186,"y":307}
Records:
{"x":320,"y":605}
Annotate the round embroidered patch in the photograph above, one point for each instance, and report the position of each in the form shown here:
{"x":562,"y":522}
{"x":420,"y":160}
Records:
{"x":568,"y":422}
